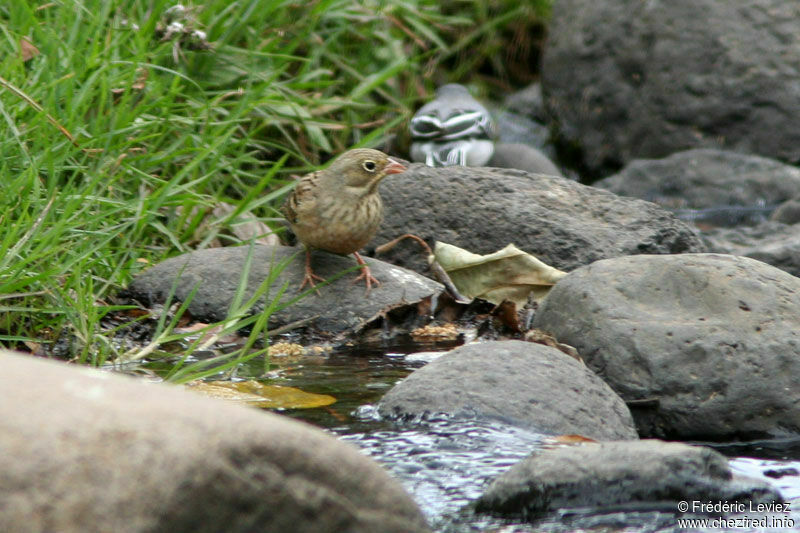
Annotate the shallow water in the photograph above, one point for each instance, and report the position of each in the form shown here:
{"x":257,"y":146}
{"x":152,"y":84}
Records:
{"x":446,"y":464}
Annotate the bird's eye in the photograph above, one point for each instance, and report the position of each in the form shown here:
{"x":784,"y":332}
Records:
{"x":369,"y":166}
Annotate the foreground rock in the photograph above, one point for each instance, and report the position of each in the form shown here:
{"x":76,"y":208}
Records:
{"x":771,"y":242}
{"x":627,"y":79}
{"x":78,"y":443}
{"x":620,"y":474}
{"x":561,"y":222}
{"x":516,"y":382}
{"x":338,"y":307}
{"x":706,"y":346}
{"x":727,"y":187}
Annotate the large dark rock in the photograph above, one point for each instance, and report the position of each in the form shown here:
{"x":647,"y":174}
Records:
{"x":561,"y":222}
{"x":340,"y":306}
{"x":771,"y":242}
{"x":620,"y":474}
{"x":708,"y":178}
{"x":708,"y":345}
{"x":516,"y":382}
{"x":88,"y":451}
{"x":627,"y":79}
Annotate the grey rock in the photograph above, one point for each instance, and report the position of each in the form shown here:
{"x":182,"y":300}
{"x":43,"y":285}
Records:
{"x":79,"y":443}
{"x":707,"y":185}
{"x":522,"y":157}
{"x":704,"y":178}
{"x":515,"y":128}
{"x":773,"y":243}
{"x":701,"y":346}
{"x":788,"y":212}
{"x":338,"y":307}
{"x":627,"y":79}
{"x":618,"y":475}
{"x":515,"y":382}
{"x":528,"y":102}
{"x":561,"y":222}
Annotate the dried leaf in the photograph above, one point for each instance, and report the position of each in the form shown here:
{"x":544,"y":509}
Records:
{"x":261,"y":395}
{"x":27,"y":50}
{"x":431,"y":332}
{"x":540,"y":337}
{"x":508,"y":274}
{"x":506,"y":312}
{"x":287,"y":349}
{"x":139,"y":84}
{"x":560,"y":441}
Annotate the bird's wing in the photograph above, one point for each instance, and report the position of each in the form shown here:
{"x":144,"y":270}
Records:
{"x":467,"y":124}
{"x":302,"y":198}
{"x":459,"y":124}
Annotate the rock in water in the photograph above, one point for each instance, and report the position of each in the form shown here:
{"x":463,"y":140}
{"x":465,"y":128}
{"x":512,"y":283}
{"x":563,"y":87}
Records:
{"x":339,"y":306}
{"x":618,"y":474}
{"x":701,"y":346}
{"x":519,"y":383}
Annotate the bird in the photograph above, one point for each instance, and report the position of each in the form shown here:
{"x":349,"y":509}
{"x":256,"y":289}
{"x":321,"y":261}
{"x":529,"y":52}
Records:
{"x":452,"y":129}
{"x":339,"y":209}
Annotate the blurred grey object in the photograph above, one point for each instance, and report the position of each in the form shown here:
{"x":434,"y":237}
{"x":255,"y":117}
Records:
{"x":522,"y":157}
{"x":452,"y":129}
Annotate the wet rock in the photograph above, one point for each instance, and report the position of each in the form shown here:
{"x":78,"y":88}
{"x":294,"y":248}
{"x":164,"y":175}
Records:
{"x":522,"y":157}
{"x":788,"y":212}
{"x":617,"y":475}
{"x":78,"y":443}
{"x":561,"y":222}
{"x":338,"y":307}
{"x":701,"y":346}
{"x":727,"y":187}
{"x":515,"y":382}
{"x":771,"y":242}
{"x":627,"y":79}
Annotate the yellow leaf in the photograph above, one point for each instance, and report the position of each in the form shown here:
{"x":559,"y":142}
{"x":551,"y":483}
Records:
{"x":261,"y":395}
{"x":508,"y":274}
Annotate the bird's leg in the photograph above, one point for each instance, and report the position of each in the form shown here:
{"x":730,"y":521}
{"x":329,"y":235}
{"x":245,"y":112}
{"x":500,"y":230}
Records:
{"x":310,"y":276}
{"x":366,"y":274}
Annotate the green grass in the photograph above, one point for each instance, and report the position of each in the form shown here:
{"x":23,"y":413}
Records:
{"x":117,"y":136}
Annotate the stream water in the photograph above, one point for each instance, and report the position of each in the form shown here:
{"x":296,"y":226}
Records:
{"x":446,"y":464}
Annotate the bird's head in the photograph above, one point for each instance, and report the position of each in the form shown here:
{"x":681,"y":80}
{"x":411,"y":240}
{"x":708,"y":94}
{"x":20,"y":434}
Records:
{"x":364,"y":168}
{"x":452,"y":90}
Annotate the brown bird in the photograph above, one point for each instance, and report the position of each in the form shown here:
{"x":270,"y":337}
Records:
{"x":338,"y":209}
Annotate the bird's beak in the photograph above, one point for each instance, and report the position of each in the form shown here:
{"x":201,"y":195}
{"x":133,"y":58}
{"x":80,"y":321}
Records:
{"x":394,"y":167}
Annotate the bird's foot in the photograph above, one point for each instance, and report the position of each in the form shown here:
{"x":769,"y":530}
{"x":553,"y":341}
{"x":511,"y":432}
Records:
{"x":366,"y":274}
{"x":309,"y":277}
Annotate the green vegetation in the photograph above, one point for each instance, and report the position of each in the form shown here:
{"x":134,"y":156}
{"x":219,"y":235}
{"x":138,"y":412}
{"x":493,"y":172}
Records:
{"x":121,"y":127}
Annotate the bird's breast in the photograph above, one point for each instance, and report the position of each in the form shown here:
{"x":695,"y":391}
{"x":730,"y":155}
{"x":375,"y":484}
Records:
{"x":340,"y":225}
